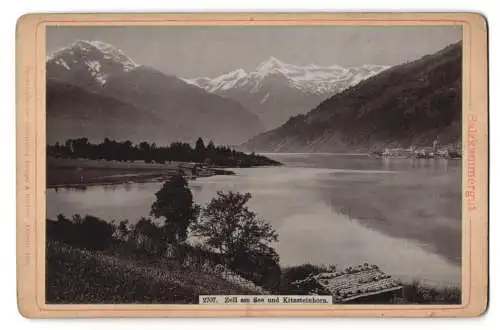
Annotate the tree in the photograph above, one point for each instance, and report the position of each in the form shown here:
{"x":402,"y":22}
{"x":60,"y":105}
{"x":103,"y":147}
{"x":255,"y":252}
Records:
{"x":144,"y":150}
{"x":200,"y":146}
{"x":210,"y":147}
{"x":229,"y":227}
{"x":174,"y":203}
{"x":200,"y":150}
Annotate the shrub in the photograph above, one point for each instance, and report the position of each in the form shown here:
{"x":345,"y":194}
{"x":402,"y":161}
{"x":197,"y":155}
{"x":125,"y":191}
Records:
{"x":88,"y":232}
{"x":260,"y":266}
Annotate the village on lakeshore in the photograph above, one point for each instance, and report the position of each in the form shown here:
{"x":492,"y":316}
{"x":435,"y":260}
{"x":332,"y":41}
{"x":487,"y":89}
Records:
{"x":434,"y":152}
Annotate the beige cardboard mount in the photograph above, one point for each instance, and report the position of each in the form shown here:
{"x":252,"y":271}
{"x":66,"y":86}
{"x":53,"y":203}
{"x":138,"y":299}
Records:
{"x":30,"y":88}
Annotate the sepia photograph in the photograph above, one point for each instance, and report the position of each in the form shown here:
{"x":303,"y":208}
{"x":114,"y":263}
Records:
{"x":184,"y":161}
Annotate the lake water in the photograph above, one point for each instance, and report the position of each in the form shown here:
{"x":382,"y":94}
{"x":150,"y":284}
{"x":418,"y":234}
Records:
{"x":401,"y":214}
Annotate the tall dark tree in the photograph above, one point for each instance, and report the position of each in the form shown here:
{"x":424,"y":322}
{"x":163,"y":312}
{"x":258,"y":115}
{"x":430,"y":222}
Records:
{"x":174,"y":203}
{"x":211,"y":146}
{"x":200,"y":145}
{"x":200,"y":150}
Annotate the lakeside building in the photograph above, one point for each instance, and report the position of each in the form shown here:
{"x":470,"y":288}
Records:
{"x":427,"y":152}
{"x":399,"y":152}
{"x":363,"y":283}
{"x":434,"y":151}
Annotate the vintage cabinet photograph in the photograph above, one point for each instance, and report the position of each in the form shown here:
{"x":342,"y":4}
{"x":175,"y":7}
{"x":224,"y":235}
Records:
{"x":308,"y":164}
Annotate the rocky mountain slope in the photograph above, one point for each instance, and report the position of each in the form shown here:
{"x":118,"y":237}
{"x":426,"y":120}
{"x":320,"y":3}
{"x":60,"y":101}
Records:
{"x":74,"y":112}
{"x":278,"y":90}
{"x":409,"y":104}
{"x":181,"y":111}
{"x":88,"y":64}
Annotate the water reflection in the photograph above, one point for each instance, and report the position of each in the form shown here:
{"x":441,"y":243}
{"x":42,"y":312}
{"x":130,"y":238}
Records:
{"x":403,"y":214}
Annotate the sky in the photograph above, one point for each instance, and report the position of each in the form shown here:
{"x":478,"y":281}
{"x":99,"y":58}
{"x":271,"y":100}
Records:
{"x":194,"y":51}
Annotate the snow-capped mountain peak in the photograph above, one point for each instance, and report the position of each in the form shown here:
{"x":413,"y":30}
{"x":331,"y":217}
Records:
{"x":270,"y":65}
{"x":95,"y":58}
{"x":277,"y":90}
{"x":309,"y":78}
{"x":221,"y":83}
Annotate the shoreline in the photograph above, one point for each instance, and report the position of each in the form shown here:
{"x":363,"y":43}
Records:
{"x":79,"y":173}
{"x":122,"y":179}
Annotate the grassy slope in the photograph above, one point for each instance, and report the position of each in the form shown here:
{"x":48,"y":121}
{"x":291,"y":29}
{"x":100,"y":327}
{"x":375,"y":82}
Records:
{"x":79,"y":276}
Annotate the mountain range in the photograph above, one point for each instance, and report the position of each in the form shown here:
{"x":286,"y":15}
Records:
{"x":95,"y":90}
{"x":409,"y":104}
{"x":276,"y":90}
